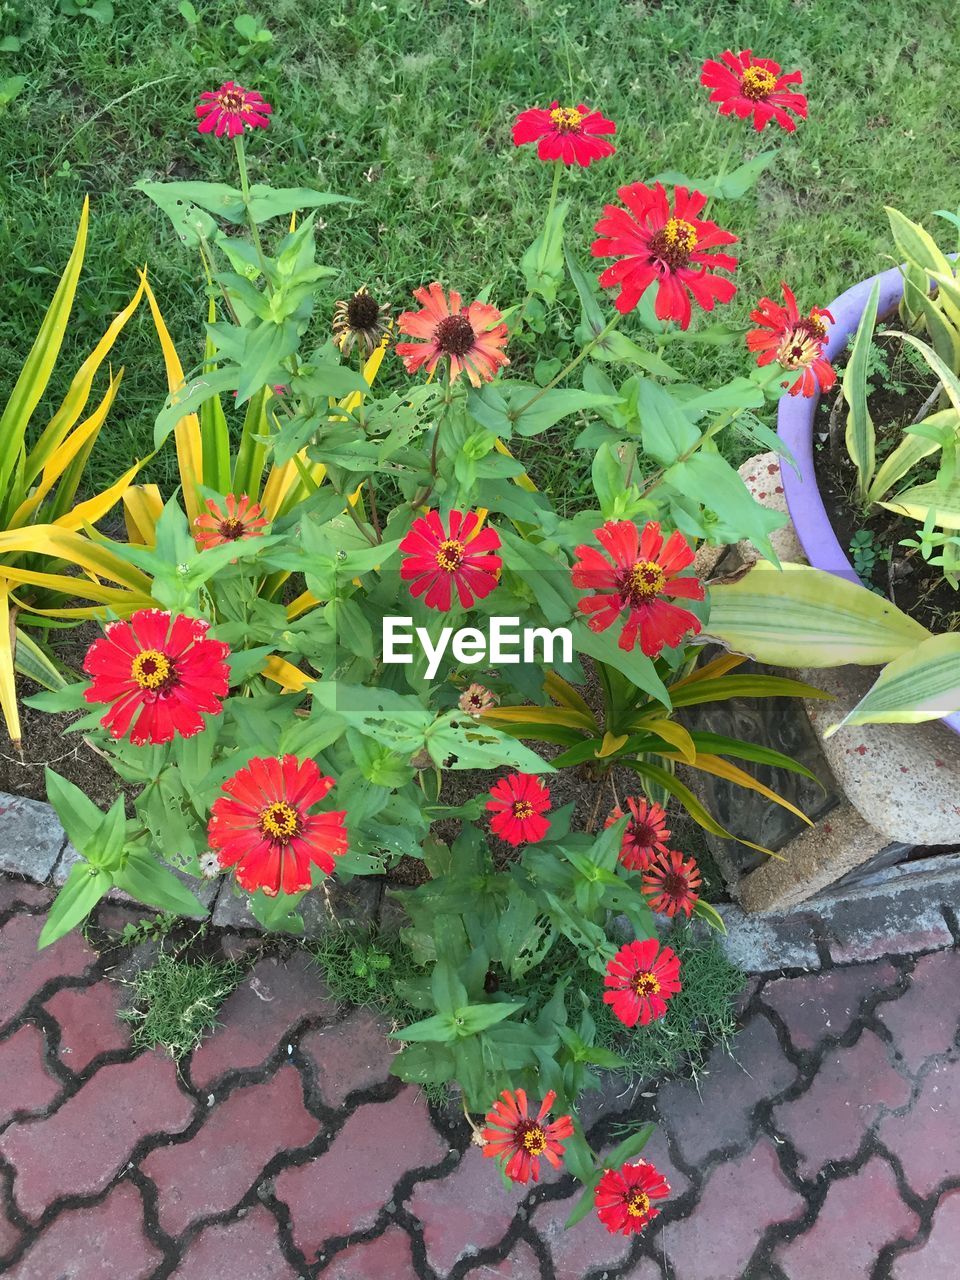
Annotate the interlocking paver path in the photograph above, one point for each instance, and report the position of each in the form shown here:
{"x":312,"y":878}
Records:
{"x":283,"y":1148}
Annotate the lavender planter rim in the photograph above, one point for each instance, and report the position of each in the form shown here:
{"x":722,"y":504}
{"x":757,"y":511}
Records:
{"x":795,"y":425}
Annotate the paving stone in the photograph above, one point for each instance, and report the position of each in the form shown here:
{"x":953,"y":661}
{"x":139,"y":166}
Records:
{"x":860,"y":1215}
{"x":353,"y":1054}
{"x":925,"y":1019}
{"x":520,"y":1264}
{"x":739,"y":1200}
{"x":248,"y":1249}
{"x":827,"y":1003}
{"x":938,"y":1256}
{"x":885,"y":922}
{"x":88,"y":1022}
{"x":80,"y":1147}
{"x":766,"y":944}
{"x":24,"y":969}
{"x":468,"y":1210}
{"x":103,"y":1242}
{"x":25,"y":1084}
{"x":14,"y":892}
{"x":714,"y":1112}
{"x":343,"y":1190}
{"x":342,"y":904}
{"x":31,"y":836}
{"x":10,"y":1236}
{"x":212,"y":1171}
{"x":583,"y":1248}
{"x":922,"y":1138}
{"x":388,"y":1257}
{"x":260,"y":1014}
{"x":849,"y":1093}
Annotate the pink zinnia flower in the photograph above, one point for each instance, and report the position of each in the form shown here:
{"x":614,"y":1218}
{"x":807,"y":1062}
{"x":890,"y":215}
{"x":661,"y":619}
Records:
{"x":437,"y":558}
{"x":743,"y":85}
{"x":230,"y":109}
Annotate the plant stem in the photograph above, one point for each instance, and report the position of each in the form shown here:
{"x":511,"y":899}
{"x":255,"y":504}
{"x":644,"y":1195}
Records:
{"x":724,"y":162}
{"x":245,"y":191}
{"x":558,"y":166}
{"x":611,"y":324}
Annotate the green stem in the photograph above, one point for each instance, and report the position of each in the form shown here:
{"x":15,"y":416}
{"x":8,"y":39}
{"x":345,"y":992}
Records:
{"x":611,"y":324}
{"x":724,"y":162}
{"x":245,"y":191}
{"x":551,"y":204}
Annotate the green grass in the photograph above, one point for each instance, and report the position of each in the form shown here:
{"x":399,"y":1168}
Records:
{"x":176,"y":1000}
{"x":361,"y":970}
{"x":407,"y":105}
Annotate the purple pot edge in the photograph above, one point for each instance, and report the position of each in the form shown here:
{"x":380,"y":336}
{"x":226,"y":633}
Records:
{"x":795,"y":426}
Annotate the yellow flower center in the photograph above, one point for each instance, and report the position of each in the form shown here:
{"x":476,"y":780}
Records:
{"x":566,"y":118}
{"x":637,"y":1204}
{"x":534,"y":1141}
{"x":232,"y":100}
{"x":680,"y":235}
{"x":757,"y":83}
{"x":151,"y":669}
{"x":645,"y":580}
{"x":814,"y":324}
{"x":280,"y":821}
{"x":522,"y":809}
{"x":450,"y":555}
{"x":646,"y":984}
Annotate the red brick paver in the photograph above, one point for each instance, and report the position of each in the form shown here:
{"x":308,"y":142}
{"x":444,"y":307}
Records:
{"x":860,"y":1215}
{"x":271,"y":1000}
{"x":773,"y":1157}
{"x":212,"y":1171}
{"x":248,"y":1249}
{"x":102,"y":1242}
{"x":79,"y":1149}
{"x":852,"y":1089}
{"x":343,"y":1190}
{"x":25,"y":1084}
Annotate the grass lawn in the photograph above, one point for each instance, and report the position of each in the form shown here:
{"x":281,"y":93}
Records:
{"x":407,"y":105}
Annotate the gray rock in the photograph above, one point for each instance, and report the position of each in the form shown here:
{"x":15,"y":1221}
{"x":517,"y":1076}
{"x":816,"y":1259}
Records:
{"x":341,"y":905}
{"x":31,"y":837}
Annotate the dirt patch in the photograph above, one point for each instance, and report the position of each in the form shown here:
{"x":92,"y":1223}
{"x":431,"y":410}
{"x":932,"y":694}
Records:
{"x":899,"y":573}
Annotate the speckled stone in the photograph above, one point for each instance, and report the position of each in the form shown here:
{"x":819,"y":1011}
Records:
{"x":761,"y":475}
{"x":904,"y":779}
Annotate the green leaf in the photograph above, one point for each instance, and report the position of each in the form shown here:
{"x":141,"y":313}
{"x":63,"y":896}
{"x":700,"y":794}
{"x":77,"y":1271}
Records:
{"x":665,"y":430}
{"x":804,"y":617}
{"x":542,"y":264}
{"x":713,"y":917}
{"x":477,"y":1017}
{"x":630,"y":1147}
{"x":439,"y":1029}
{"x":147,"y":880}
{"x":922,"y":684}
{"x":84,"y":887}
{"x":919,"y":501}
{"x":80,"y":817}
{"x":549,"y":407}
{"x":860,"y":435}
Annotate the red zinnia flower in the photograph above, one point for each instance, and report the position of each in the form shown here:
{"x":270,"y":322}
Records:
{"x":671,"y":883}
{"x":262,"y":828}
{"x":163,"y":667}
{"x":642,"y":571}
{"x":437,"y":558}
{"x":747,"y":85}
{"x":231,"y":109}
{"x":476,"y":699}
{"x":570,"y":134}
{"x":645,"y":835}
{"x":243,"y":519}
{"x":641,"y":979}
{"x":669,"y":246}
{"x":518,"y":803}
{"x":794,"y":341}
{"x":473,"y":339}
{"x":512,"y":1130}
{"x":623,"y":1196}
